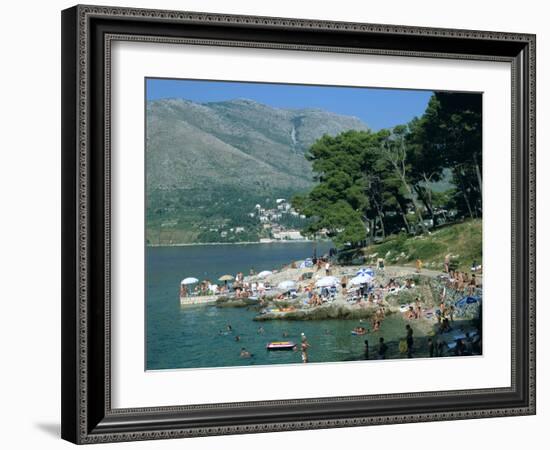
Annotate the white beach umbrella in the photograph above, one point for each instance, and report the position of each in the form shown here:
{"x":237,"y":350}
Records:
{"x":361,"y":279}
{"x":189,"y":280}
{"x":327,"y":281}
{"x":264,"y":273}
{"x":288,"y":284}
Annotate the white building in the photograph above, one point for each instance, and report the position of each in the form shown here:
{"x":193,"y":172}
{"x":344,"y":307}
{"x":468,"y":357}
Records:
{"x":290,"y":235}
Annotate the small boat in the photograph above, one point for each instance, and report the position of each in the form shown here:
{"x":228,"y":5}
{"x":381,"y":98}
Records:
{"x":281,"y":345}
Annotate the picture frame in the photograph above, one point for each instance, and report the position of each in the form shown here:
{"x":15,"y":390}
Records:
{"x":87,"y":413}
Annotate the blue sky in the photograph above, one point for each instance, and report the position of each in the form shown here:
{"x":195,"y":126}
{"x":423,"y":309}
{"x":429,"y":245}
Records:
{"x":378,"y":108}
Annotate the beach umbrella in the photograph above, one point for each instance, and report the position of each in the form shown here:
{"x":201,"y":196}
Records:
{"x":327,"y":281}
{"x":361,"y":279}
{"x":288,"y":284}
{"x":189,"y":280}
{"x":363,"y":271}
{"x":226,"y":278}
{"x":264,"y":273}
{"x":466,"y":301}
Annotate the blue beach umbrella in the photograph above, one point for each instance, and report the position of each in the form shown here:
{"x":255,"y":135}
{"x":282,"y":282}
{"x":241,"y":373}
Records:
{"x":362,"y":272}
{"x":466,"y":301}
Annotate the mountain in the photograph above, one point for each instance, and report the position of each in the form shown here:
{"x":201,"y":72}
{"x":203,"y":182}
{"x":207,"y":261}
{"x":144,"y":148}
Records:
{"x":202,"y":156}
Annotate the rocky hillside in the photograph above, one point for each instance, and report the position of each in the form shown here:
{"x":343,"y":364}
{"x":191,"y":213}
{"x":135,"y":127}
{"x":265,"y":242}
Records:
{"x":201,"y":154}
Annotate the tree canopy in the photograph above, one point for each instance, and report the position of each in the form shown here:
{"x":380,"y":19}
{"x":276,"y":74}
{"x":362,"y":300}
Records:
{"x":370,"y":184}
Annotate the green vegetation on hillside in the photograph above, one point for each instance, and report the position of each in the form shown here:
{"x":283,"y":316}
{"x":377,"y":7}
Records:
{"x":462,"y":241}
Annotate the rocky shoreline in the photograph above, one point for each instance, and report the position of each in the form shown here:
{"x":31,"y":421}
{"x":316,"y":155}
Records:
{"x":393,"y":292}
{"x":326,"y":312}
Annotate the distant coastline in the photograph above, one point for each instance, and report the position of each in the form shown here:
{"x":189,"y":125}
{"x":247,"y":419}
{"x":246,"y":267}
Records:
{"x":294,"y":241}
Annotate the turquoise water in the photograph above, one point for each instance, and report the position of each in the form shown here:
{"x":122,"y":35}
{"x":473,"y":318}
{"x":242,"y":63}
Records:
{"x":189,"y":337}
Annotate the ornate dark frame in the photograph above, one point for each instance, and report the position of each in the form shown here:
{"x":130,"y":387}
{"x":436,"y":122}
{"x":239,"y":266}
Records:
{"x":87,"y":33}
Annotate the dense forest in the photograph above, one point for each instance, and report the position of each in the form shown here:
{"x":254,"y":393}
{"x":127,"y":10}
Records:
{"x":372,"y":184}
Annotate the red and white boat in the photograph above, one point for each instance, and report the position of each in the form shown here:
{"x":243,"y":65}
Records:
{"x":281,"y":345}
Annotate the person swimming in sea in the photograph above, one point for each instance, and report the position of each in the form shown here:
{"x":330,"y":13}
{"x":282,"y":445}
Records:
{"x":245,"y":353}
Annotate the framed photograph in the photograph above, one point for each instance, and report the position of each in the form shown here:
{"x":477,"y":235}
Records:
{"x":281,"y":224}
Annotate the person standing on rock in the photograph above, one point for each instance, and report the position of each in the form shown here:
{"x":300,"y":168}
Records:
{"x":447,"y":262}
{"x":344,"y":283}
{"x":382,"y":349}
{"x":304,"y":347}
{"x":418,"y":308}
{"x":410,"y":340}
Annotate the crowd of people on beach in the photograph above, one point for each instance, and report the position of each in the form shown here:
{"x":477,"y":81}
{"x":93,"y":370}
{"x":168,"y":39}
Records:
{"x":462,"y":282}
{"x":382,"y":349}
{"x":435,"y":346}
{"x":373,"y":295}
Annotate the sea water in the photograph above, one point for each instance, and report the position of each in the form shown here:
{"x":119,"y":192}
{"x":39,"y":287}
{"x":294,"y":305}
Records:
{"x":197,"y":337}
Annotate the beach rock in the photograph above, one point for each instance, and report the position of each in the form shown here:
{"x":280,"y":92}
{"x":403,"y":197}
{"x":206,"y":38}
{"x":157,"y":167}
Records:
{"x":228,"y":302}
{"x":326,"y":312}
